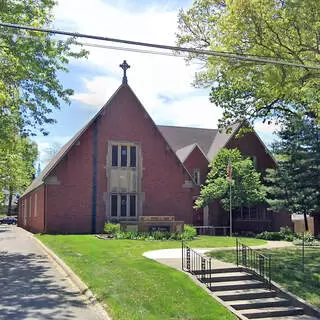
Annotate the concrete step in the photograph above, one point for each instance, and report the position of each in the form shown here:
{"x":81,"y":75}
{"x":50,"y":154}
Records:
{"x":247,"y":294}
{"x":300,"y":317}
{"x":232,"y":276}
{"x":275,"y":312}
{"x":236,"y":285}
{"x":220,"y":270}
{"x":259,"y":303}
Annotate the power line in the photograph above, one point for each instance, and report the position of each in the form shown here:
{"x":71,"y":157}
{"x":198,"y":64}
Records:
{"x":161,"y":46}
{"x":102,"y":46}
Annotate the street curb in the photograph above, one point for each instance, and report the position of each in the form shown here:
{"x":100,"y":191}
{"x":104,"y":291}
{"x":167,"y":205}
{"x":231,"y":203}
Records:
{"x":83,"y":288}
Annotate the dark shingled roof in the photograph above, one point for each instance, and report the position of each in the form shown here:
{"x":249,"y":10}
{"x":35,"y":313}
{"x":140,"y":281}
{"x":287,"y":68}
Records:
{"x":180,"y":137}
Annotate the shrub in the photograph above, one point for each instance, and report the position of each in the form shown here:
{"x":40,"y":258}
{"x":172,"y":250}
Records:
{"x":248,"y":234}
{"x":189,"y":233}
{"x":308,"y":236}
{"x":269,"y":235}
{"x":286,"y":233}
{"x":111,"y":228}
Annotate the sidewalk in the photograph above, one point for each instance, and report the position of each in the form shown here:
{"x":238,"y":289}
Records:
{"x":173,"y":257}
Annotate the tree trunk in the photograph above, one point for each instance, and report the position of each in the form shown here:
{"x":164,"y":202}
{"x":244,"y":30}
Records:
{"x":9,"y":202}
{"x":305,"y":221}
{"x":316,"y":219}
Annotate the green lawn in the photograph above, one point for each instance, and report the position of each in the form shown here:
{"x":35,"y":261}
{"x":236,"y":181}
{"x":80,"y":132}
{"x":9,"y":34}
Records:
{"x":287,"y":270}
{"x":134,"y":287}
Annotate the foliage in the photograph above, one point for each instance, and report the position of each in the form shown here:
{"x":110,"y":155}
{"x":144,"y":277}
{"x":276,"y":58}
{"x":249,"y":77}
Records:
{"x":286,"y":264}
{"x":29,"y":85}
{"x":286,"y":30}
{"x":30,"y":62}
{"x":294,"y":186}
{"x":189,"y":233}
{"x":134,"y":287}
{"x":111,"y":228}
{"x":266,"y":235}
{"x":16,"y":165}
{"x":285,"y":234}
{"x":306,"y":238}
{"x":245,"y":184}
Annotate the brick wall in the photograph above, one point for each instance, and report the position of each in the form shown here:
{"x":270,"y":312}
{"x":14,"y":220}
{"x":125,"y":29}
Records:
{"x":69,"y":201}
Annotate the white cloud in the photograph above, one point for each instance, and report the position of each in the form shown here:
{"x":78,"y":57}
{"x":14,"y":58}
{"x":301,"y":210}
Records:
{"x":162,"y":83}
{"x":150,"y":76}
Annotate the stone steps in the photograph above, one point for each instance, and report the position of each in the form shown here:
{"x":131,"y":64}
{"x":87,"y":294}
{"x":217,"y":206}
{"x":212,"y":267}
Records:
{"x":259,"y":303}
{"x":249,"y":296}
{"x":232,"y":276}
{"x":300,"y":317}
{"x":274,"y":312}
{"x":245,"y":294}
{"x":236,"y":285}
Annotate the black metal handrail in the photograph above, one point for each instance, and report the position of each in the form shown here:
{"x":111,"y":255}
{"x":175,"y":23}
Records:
{"x":254,"y":261}
{"x":196,"y":264}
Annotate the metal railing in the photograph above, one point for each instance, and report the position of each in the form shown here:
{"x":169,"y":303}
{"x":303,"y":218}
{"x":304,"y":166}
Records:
{"x":254,"y":261}
{"x":196,"y":264}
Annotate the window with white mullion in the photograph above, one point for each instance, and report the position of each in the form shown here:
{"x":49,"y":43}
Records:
{"x":123,"y":205}
{"x":123,"y":155}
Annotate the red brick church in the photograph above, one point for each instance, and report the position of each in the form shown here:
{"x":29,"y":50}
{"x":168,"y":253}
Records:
{"x":122,"y":166}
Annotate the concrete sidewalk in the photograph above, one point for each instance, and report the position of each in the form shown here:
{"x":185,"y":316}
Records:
{"x":32,"y":286}
{"x":173,"y":257}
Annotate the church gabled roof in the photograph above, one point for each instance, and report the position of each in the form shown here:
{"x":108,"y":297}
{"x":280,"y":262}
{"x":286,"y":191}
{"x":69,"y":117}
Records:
{"x":184,"y":152}
{"x":180,"y":137}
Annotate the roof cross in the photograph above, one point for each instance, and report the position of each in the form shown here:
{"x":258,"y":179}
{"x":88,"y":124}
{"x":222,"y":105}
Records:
{"x":124,"y":66}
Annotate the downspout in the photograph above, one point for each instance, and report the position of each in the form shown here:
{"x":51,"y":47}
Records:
{"x":45,"y":208}
{"x":94,"y":178}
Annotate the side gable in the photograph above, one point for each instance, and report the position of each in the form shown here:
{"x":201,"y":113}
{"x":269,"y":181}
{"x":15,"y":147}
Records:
{"x":185,"y":152}
{"x":252,"y":146}
{"x":197,"y":160}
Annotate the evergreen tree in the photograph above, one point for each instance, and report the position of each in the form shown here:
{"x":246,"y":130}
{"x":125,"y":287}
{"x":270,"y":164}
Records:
{"x":294,"y":186}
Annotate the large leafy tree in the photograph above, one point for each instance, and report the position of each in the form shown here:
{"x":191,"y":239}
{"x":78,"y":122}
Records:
{"x":294,"y":186}
{"x":245,"y":183}
{"x":17,"y":166}
{"x":30,"y":61}
{"x":287,"y":30}
{"x":30,"y":89}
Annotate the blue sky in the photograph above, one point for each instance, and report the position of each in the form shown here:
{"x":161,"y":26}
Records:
{"x":162,"y":83}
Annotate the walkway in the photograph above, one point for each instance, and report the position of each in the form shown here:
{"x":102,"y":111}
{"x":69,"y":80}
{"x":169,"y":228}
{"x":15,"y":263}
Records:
{"x":173,"y":257}
{"x":31,"y":286}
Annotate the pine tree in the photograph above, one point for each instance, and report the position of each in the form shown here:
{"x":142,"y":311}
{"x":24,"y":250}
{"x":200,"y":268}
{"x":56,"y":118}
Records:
{"x":295,"y":185}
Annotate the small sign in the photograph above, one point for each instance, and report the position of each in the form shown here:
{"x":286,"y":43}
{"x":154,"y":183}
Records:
{"x":159,"y":228}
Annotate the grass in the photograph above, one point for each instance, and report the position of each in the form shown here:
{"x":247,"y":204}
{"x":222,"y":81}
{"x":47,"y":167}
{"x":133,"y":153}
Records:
{"x":134,"y":287}
{"x":287,"y":270}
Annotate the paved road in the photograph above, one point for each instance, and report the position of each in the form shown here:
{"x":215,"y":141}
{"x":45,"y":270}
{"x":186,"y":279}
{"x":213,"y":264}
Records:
{"x":32,"y":286}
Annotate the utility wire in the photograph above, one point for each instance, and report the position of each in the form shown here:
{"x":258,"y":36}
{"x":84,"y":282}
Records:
{"x":102,"y":46}
{"x":161,"y":46}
